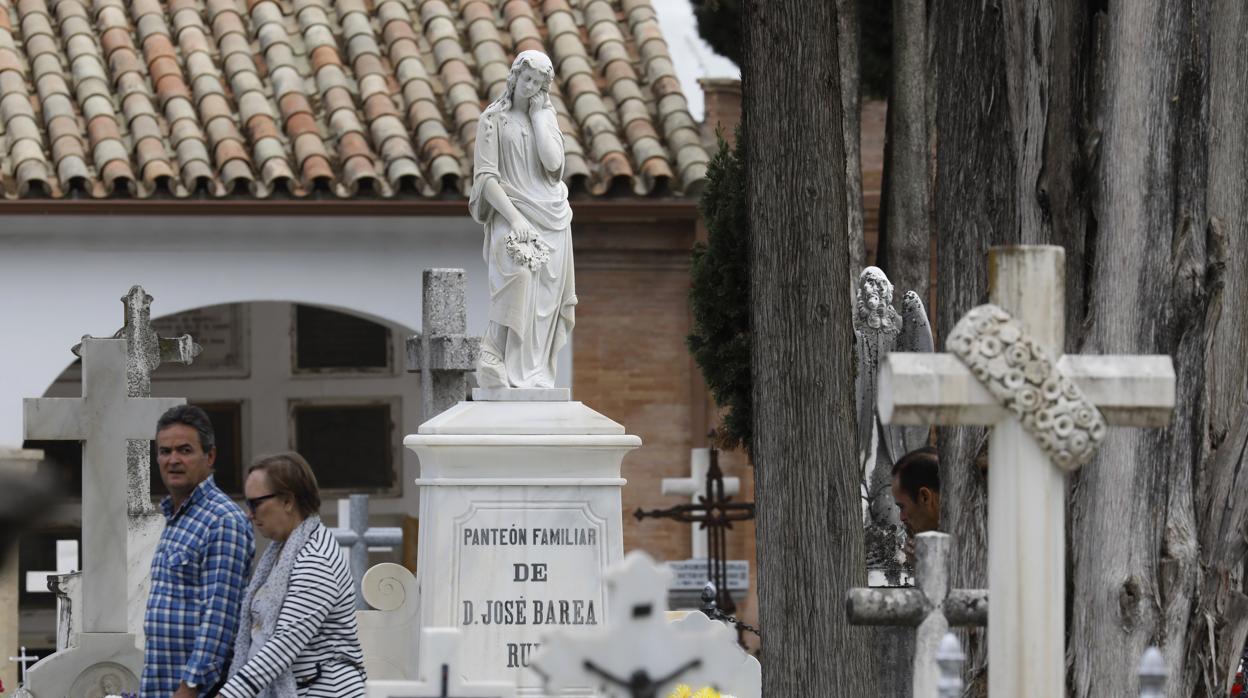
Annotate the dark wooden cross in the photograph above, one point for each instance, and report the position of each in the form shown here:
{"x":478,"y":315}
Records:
{"x":716,"y":512}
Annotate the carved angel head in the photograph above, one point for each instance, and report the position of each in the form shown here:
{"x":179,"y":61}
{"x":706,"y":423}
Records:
{"x":874,"y":307}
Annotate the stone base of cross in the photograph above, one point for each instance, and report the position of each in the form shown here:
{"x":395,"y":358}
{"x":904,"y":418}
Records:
{"x":1048,"y":414}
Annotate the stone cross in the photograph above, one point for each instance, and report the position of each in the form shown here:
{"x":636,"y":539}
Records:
{"x":1027,"y":488}
{"x":931,"y":607}
{"x":439,"y":658}
{"x":146,"y":351}
{"x":103,"y":419}
{"x":22,"y":659}
{"x":66,"y":561}
{"x":693,"y":487}
{"x":354,"y":534}
{"x":638,"y":654}
{"x":442,"y":352}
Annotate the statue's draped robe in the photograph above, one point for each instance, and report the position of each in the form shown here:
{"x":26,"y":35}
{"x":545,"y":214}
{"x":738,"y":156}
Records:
{"x":536,"y":307}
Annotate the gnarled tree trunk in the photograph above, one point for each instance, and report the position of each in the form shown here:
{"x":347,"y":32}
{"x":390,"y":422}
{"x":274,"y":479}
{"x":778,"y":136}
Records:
{"x":1117,"y":131}
{"x":809,"y":518}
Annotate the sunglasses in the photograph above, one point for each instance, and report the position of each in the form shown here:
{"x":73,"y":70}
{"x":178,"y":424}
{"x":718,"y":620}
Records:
{"x":254,"y":504}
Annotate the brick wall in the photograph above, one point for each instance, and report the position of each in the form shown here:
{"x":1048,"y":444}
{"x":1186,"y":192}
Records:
{"x":632,"y":365}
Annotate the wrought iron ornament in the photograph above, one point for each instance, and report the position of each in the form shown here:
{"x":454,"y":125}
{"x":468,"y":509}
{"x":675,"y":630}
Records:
{"x":715,"y":512}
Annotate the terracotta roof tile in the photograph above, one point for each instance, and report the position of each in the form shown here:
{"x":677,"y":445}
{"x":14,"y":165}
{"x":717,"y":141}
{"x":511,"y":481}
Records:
{"x":353,"y":97}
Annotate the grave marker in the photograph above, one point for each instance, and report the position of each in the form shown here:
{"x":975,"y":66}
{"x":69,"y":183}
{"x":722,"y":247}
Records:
{"x":693,"y":487}
{"x":931,"y":607}
{"x":520,"y":517}
{"x":103,"y":419}
{"x":1027,"y":488}
{"x":354,"y":533}
{"x":442,"y":352}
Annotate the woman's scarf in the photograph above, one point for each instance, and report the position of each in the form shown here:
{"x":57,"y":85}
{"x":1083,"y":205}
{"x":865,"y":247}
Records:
{"x":263,"y":603}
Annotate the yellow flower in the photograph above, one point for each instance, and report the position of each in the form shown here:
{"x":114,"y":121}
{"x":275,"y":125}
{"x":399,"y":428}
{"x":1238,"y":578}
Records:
{"x":683,"y":691}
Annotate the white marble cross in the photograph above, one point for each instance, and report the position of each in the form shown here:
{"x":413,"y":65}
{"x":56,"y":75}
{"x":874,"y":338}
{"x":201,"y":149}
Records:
{"x":638,"y":653}
{"x":931,"y":608}
{"x":103,"y":419}
{"x":354,"y":534}
{"x":693,"y":487}
{"x":1027,"y":490}
{"x":440,"y":678}
{"x":66,"y":561}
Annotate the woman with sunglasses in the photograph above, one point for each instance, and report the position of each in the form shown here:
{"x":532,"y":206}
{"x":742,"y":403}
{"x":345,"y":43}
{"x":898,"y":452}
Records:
{"x":297,"y":634}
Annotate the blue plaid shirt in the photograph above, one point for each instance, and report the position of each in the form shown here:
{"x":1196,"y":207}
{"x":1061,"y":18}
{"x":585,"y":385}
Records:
{"x":199,"y":574}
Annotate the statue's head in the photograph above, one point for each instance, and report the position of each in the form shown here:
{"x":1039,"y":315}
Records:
{"x":535,"y":61}
{"x":874,"y":306}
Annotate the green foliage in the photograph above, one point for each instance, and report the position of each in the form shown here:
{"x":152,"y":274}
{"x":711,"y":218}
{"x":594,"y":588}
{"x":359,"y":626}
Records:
{"x":719,"y":24}
{"x":720,"y":294}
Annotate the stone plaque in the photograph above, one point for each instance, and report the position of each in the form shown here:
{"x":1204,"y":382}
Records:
{"x":220,"y":329}
{"x":522,"y":571}
{"x":690,"y":575}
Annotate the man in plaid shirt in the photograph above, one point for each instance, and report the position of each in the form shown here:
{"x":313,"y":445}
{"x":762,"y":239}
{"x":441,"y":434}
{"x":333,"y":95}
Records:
{"x":199,"y":572}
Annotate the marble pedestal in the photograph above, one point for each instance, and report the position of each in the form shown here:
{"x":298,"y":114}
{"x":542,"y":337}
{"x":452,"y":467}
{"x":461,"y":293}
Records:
{"x":102,"y":664}
{"x":520,"y":517}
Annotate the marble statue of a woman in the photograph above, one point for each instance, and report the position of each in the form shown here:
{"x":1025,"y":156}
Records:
{"x":519,"y":196}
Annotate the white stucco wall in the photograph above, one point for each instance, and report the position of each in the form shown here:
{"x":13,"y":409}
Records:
{"x":61,"y":277}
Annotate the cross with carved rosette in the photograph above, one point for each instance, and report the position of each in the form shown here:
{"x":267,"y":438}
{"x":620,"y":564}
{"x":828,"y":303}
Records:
{"x":1048,"y":412}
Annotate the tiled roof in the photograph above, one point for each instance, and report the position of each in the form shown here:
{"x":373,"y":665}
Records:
{"x":278,"y":98}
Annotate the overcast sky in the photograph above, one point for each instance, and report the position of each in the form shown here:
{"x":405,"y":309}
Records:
{"x":693,"y":57}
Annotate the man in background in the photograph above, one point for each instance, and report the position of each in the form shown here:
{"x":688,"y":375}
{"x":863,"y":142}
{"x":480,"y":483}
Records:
{"x":916,"y":490}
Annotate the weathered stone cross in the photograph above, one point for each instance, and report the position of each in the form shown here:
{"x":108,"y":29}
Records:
{"x":931,"y":608}
{"x":354,"y":534}
{"x":1027,"y":485}
{"x":103,"y":419}
{"x":442,"y":352}
{"x":145,"y":352}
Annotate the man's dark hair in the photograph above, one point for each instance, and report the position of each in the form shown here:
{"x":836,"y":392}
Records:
{"x":918,"y":468}
{"x":193,"y":417}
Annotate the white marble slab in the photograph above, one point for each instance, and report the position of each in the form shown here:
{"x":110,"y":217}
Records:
{"x":519,"y":522}
{"x":521,"y":394}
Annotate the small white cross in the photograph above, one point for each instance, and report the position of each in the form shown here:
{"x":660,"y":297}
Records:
{"x":23,"y":660}
{"x":66,"y":561}
{"x":1027,"y":492}
{"x":693,"y":487}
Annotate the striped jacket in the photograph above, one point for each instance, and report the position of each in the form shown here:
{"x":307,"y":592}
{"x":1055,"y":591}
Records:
{"x":316,"y":635}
